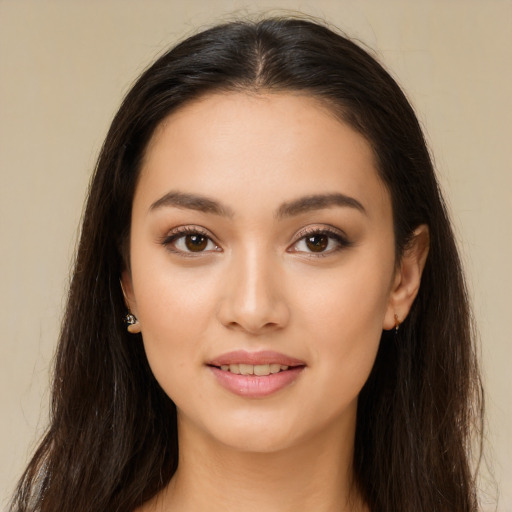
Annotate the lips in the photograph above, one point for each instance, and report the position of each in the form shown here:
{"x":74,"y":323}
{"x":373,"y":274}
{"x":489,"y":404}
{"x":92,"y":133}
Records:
{"x":255,"y":358}
{"x":254,"y":369}
{"x":255,"y":374}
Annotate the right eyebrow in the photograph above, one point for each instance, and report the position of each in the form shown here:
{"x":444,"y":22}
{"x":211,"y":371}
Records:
{"x":191,"y":202}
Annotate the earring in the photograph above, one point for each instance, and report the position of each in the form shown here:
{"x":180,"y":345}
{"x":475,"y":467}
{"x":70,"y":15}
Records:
{"x":132,"y":324}
{"x":397,"y":323}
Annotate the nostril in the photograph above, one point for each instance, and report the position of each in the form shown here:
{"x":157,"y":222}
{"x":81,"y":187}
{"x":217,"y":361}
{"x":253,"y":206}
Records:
{"x":253,"y":327}
{"x":252,"y":302}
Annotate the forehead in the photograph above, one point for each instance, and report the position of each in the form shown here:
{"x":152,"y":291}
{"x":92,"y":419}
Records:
{"x":267,"y":145}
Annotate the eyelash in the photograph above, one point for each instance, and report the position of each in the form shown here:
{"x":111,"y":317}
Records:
{"x":181,"y":232}
{"x":340,"y":240}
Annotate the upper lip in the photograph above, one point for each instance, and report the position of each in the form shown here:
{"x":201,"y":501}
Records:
{"x":255,"y":358}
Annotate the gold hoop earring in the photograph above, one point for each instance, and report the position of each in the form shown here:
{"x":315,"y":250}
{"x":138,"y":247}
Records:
{"x":397,"y":323}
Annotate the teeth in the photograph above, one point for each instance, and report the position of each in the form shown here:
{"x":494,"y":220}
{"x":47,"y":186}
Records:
{"x":262,"y":369}
{"x":254,"y":369}
{"x":246,"y":369}
{"x":275,"y":368}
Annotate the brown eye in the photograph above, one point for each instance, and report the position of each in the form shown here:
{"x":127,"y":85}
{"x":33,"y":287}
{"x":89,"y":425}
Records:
{"x":191,"y":241}
{"x":320,"y":242}
{"x":196,"y":242}
{"x":317,"y":243}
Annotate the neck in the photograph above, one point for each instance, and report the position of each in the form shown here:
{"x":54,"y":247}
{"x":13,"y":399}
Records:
{"x":313,"y":475}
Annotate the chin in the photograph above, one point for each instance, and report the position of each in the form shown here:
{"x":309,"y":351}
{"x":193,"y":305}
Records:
{"x":255,"y":441}
{"x":245,"y":429}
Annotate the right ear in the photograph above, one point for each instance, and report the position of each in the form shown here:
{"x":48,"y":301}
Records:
{"x":127,"y":289}
{"x":132,"y":323}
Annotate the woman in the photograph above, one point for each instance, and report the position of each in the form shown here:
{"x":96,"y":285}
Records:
{"x":265,"y":218}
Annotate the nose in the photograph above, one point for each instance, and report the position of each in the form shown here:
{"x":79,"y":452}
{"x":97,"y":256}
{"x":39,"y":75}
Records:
{"x":254,"y":296}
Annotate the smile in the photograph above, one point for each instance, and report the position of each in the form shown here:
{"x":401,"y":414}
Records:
{"x":255,"y":374}
{"x":254,"y":369}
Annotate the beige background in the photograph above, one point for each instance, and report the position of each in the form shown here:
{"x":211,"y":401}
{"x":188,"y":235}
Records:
{"x":64,"y":66}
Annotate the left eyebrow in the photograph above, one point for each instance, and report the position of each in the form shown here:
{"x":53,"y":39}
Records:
{"x":318,"y":202}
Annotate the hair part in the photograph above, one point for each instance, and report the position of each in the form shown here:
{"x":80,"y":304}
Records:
{"x":112,"y":441}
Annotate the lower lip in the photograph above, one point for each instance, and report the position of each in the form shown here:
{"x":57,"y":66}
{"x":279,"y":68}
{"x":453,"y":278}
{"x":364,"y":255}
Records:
{"x":256,"y":386}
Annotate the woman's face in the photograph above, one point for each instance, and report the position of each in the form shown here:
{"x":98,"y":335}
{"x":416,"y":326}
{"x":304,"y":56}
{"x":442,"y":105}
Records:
{"x":262,"y":268}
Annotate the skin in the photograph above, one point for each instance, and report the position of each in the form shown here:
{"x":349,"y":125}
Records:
{"x":257,"y":285}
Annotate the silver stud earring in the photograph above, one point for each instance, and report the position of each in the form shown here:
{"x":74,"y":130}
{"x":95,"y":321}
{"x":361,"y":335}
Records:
{"x":132,"y":324}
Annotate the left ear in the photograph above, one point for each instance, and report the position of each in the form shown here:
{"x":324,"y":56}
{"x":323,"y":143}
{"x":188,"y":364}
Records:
{"x":407,"y":277}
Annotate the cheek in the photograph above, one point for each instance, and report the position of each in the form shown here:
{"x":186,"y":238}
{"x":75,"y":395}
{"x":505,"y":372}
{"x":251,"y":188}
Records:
{"x":175,"y":307}
{"x":347,"y":345}
{"x":348,"y":304}
{"x":169,"y":296}
{"x":343,"y":317}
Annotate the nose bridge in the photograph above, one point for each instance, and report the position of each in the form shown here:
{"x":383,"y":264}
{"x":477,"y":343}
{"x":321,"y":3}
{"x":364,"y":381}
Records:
{"x":254,"y":298}
{"x":255,"y":283}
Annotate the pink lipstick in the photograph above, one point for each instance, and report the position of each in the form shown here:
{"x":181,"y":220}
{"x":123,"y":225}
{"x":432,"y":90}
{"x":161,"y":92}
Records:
{"x":255,"y":374}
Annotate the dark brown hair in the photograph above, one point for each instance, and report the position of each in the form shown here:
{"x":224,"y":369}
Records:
{"x":112,"y":443}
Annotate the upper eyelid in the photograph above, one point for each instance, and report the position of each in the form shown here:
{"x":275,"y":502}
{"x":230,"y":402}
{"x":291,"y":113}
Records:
{"x":298,"y":235}
{"x":180,"y":231}
{"x":325,"y":229}
{"x":169,"y":239}
{"x":189,"y":229}
{"x":334,"y":233}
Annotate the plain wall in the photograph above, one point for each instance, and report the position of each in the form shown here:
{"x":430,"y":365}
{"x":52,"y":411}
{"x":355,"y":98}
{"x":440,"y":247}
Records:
{"x":64,"y":66}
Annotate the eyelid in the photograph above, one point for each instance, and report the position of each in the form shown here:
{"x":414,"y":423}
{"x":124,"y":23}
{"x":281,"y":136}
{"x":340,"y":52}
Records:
{"x":332,"y":232}
{"x":320,"y":229}
{"x":335,"y":233}
{"x":181,"y":231}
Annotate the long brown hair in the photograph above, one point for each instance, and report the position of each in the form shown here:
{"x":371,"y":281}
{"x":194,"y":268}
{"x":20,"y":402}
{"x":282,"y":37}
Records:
{"x":112,"y":442}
